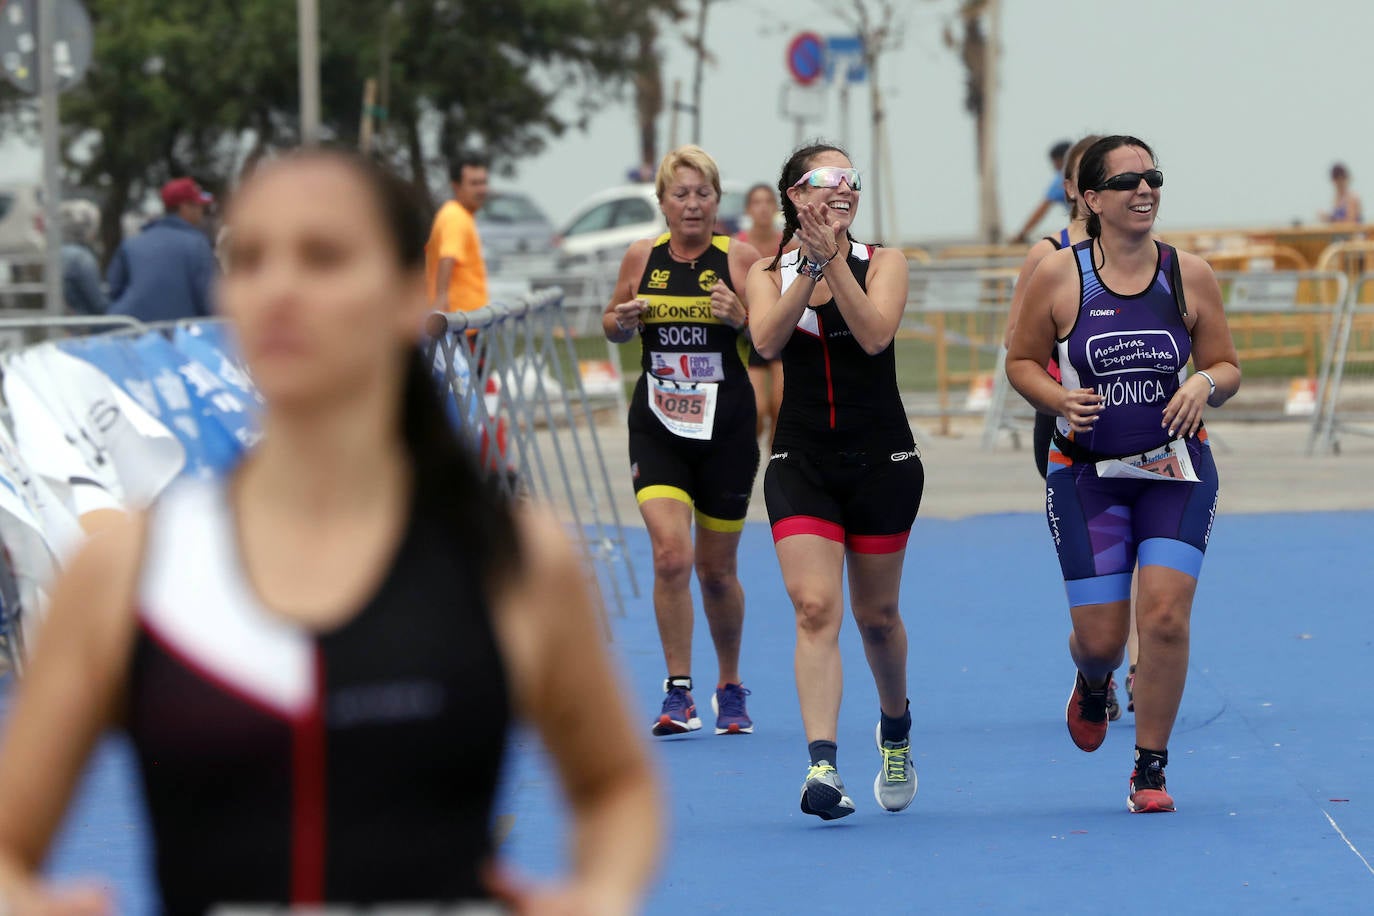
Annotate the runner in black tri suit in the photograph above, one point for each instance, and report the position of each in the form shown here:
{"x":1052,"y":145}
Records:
{"x":1071,"y":234}
{"x":844,"y":479}
{"x":1132,"y":485}
{"x":318,"y":659}
{"x":693,"y":451}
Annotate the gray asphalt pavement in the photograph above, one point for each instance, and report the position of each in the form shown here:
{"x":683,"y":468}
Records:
{"x":1264,"y":467}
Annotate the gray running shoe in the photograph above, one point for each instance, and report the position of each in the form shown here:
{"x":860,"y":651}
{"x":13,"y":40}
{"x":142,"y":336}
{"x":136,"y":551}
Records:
{"x":895,"y":785}
{"x":823,"y":793}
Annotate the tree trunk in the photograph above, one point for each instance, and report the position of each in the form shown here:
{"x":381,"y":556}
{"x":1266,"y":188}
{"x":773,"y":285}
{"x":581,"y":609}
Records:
{"x":990,"y":219}
{"x":112,"y":218}
{"x":419,"y":174}
{"x":699,"y":65}
{"x":875,"y":98}
{"x":648,"y":83}
{"x":979,"y":52}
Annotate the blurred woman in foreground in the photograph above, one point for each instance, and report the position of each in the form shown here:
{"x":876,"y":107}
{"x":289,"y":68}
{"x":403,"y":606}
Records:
{"x":318,"y":658}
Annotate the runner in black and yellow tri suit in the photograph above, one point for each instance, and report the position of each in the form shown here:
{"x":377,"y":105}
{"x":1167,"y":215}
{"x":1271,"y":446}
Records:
{"x":693,"y":452}
{"x":689,"y":439}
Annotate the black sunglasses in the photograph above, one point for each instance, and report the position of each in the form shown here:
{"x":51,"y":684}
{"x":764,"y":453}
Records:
{"x":1129,"y":181}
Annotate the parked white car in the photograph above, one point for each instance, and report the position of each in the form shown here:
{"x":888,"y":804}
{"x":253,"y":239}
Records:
{"x":606,"y":223}
{"x":21,"y":221}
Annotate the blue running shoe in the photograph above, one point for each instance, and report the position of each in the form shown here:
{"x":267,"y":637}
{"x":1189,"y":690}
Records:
{"x":731,"y":716}
{"x":679,"y":714}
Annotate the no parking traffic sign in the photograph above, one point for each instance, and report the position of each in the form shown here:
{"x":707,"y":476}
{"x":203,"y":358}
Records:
{"x":806,"y":58}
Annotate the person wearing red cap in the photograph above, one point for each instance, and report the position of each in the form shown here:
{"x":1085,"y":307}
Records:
{"x":164,"y":273}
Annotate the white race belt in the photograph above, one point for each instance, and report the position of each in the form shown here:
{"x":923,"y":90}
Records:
{"x":1170,"y":461}
{"x":685,"y":409}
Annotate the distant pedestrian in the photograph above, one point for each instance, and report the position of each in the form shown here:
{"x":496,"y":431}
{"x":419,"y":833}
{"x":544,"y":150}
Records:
{"x":1346,"y":206}
{"x":761,"y":206}
{"x":82,"y":288}
{"x":454,"y":269}
{"x":165,"y":272}
{"x":1054,"y":194}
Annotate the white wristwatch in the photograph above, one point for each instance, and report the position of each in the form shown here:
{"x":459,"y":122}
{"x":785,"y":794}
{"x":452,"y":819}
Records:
{"x":1211,"y":381}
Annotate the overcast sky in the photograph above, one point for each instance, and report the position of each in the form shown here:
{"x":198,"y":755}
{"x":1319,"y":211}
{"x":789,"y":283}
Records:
{"x":1247,"y":103}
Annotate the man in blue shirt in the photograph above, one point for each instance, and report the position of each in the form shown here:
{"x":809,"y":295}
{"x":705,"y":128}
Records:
{"x":164,"y":273}
{"x":1054,"y":194}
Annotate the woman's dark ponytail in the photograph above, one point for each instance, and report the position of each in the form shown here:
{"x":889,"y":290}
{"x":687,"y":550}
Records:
{"x":449,"y":486}
{"x":448,"y":482}
{"x":788,"y":230}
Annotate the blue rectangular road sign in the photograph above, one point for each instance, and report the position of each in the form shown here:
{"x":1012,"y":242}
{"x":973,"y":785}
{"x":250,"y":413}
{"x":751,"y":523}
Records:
{"x":845,"y":54}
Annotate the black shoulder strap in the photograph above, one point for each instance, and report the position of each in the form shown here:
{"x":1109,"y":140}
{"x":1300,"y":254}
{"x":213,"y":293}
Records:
{"x":1176,"y":279}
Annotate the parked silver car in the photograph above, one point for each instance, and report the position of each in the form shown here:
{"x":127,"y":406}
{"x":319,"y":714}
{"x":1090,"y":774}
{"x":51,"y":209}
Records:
{"x":510,"y":223}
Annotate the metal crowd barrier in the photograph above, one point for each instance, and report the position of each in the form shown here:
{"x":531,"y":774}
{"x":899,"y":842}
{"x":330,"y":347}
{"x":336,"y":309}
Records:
{"x":1284,"y":324}
{"x":511,"y":371}
{"x":961,"y":313}
{"x":21,"y":285}
{"x":586,"y":286}
{"x":1347,"y":407}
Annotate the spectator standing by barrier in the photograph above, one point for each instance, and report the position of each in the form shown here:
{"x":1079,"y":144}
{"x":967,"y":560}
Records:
{"x":1132,"y":472}
{"x":318,"y":658}
{"x":455,"y":272}
{"x":845,"y":478}
{"x":693,"y":452}
{"x":1346,"y":207}
{"x":1054,"y":193}
{"x":81,"y":285}
{"x":165,"y":272}
{"x":761,"y":205}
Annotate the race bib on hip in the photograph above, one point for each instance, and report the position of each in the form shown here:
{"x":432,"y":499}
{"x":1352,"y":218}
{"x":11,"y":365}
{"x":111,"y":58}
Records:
{"x":1169,"y":462}
{"x":686,"y":410}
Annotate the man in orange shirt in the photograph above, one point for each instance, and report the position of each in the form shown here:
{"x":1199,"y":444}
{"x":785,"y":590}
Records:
{"x":454,"y":270}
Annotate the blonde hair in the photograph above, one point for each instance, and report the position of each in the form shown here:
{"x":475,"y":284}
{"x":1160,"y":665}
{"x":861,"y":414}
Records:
{"x":692,"y":157}
{"x":79,"y":221}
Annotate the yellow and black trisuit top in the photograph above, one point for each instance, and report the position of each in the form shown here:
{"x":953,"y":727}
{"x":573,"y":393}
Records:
{"x":683,"y":341}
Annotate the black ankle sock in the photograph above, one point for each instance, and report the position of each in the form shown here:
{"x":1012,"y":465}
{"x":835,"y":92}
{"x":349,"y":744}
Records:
{"x":679,"y":680}
{"x":1146,"y":758}
{"x":898,"y":728}
{"x":822,"y":750}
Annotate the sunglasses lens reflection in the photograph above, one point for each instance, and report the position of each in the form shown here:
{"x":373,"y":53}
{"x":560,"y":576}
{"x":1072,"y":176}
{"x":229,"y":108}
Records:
{"x":830,"y":177}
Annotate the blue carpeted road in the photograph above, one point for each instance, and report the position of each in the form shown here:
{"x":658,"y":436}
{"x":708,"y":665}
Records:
{"x":1272,"y":762}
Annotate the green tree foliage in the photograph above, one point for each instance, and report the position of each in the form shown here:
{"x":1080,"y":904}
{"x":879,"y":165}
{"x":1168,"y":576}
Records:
{"x":196,"y":87}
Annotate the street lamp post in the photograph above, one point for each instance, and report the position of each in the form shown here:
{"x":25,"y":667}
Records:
{"x":308,"y":37}
{"x":52,"y":187}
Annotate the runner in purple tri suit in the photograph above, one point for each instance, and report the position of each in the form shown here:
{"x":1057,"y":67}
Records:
{"x":1132,"y":474}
